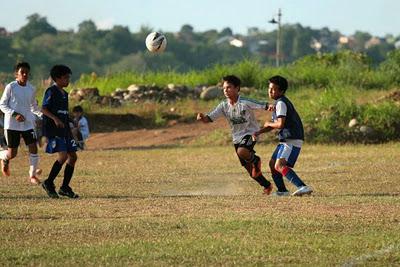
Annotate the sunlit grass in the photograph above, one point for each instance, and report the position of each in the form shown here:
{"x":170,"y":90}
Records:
{"x":196,"y":206}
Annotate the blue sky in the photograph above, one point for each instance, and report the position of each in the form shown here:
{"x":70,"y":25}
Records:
{"x":378,"y":17}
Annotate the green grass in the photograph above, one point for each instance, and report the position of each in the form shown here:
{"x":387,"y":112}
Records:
{"x":195,"y":205}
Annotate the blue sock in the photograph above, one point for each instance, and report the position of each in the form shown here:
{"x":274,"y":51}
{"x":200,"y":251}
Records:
{"x":278,"y":180}
{"x":292,"y":177}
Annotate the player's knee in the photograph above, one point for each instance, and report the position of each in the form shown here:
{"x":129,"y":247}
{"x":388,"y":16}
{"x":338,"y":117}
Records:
{"x":278,"y":167}
{"x":62,"y":158}
{"x":72,"y":158}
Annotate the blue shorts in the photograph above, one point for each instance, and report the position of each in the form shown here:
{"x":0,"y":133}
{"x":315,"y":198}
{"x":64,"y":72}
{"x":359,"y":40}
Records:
{"x":288,"y":152}
{"x":61,"y":144}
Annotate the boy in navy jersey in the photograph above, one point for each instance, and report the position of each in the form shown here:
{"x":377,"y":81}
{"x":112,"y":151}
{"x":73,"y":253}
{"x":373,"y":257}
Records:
{"x":239,"y":113}
{"x":291,"y":136}
{"x":58,"y":133}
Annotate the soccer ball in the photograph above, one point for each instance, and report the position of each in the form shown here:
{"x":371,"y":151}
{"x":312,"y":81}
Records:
{"x":156,"y":42}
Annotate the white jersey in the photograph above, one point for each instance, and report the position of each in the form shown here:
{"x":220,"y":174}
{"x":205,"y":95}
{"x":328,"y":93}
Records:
{"x":240,"y":116}
{"x":84,"y":127}
{"x":20,"y":99}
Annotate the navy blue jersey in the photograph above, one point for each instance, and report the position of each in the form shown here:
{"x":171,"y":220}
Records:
{"x":293,"y":128}
{"x":56,"y":101}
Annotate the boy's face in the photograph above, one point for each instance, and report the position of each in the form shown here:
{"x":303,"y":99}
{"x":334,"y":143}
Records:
{"x":230,"y":91}
{"x":22,"y":75}
{"x":63,"y":81}
{"x":273,"y":91}
{"x":76,"y":114}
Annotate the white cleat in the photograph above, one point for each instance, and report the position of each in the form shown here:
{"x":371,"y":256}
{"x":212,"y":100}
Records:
{"x":304,"y":190}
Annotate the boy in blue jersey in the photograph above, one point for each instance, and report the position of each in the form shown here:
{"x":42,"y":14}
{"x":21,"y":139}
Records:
{"x":58,"y":132}
{"x":291,"y":136}
{"x":239,"y":113}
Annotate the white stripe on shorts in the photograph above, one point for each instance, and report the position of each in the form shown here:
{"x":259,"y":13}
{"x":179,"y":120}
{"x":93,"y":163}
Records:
{"x":287,"y":150}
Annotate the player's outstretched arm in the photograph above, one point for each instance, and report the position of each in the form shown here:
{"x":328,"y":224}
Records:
{"x":203,"y":118}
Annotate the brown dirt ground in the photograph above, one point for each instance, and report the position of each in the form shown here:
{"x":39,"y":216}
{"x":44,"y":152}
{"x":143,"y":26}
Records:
{"x":150,"y":138}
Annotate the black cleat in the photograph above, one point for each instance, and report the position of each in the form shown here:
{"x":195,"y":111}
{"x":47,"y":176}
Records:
{"x":67,"y":191}
{"x":50,"y":189}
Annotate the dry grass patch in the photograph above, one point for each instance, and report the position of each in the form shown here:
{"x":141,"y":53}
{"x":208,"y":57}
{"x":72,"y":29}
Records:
{"x":196,"y":206}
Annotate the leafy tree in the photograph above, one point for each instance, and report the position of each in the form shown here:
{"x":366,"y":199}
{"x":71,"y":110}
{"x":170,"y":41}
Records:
{"x":36,"y":26}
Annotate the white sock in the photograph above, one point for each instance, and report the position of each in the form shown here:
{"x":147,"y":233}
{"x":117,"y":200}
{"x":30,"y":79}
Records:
{"x":34,"y":161}
{"x":4,"y":155}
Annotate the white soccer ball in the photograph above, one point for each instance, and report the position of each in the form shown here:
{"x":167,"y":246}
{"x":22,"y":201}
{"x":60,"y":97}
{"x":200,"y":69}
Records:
{"x":156,"y":42}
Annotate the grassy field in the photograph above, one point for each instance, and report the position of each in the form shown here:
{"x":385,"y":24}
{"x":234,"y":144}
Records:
{"x":192,"y":206}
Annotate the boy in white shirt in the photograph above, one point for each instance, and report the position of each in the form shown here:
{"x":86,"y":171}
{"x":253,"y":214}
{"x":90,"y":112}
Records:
{"x":239,"y":113}
{"x":80,"y":129}
{"x":18,"y":104}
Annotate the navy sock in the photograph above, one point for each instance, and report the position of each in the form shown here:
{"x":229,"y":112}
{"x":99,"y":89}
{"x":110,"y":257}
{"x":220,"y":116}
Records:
{"x":278,"y":180}
{"x":54,"y":171}
{"x":292,"y":177}
{"x":68,"y":172}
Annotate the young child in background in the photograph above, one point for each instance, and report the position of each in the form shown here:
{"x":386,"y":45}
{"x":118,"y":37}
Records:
{"x":18,"y":103}
{"x":57,"y":130}
{"x":239,"y":113}
{"x":80,"y":130}
{"x":291,"y":136}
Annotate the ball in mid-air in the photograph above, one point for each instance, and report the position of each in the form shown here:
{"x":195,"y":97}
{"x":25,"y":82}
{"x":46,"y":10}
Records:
{"x":156,"y":42}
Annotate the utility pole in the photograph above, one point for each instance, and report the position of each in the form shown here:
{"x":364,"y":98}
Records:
{"x":278,"y":40}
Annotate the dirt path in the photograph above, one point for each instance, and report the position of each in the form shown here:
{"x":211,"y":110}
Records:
{"x":144,"y":138}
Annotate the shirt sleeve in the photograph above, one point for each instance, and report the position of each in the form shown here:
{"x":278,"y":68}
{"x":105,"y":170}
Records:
{"x":47,"y":99}
{"x":217,"y":112}
{"x":280,"y":109}
{"x":254,"y":104}
{"x":5,"y":98}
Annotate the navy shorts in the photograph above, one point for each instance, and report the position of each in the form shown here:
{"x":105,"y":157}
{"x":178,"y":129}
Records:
{"x":61,"y":144}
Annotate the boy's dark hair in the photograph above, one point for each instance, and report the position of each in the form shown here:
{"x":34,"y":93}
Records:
{"x":77,"y":109}
{"x":281,"y":82}
{"x":233,"y":80}
{"x":22,"y":65}
{"x":58,"y":71}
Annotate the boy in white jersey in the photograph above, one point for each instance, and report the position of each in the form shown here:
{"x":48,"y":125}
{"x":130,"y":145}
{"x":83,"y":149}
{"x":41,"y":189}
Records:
{"x":19,"y":106}
{"x":291,"y":136}
{"x":80,"y":129}
{"x":239,"y":113}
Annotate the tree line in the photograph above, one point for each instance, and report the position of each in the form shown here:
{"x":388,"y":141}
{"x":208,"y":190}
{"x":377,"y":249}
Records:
{"x":89,"y":49}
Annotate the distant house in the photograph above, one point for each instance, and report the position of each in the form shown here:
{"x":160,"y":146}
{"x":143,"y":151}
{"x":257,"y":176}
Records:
{"x":230,"y":40}
{"x":4,"y":32}
{"x":372,"y":42}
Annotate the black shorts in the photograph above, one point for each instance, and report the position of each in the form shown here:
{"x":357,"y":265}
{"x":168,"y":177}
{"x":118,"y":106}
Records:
{"x":13,"y":137}
{"x":246,"y":142}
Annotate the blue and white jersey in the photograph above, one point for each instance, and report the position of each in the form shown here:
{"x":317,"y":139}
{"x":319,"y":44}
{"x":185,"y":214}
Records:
{"x":20,"y":99}
{"x":292,"y":132}
{"x":240,"y":116}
